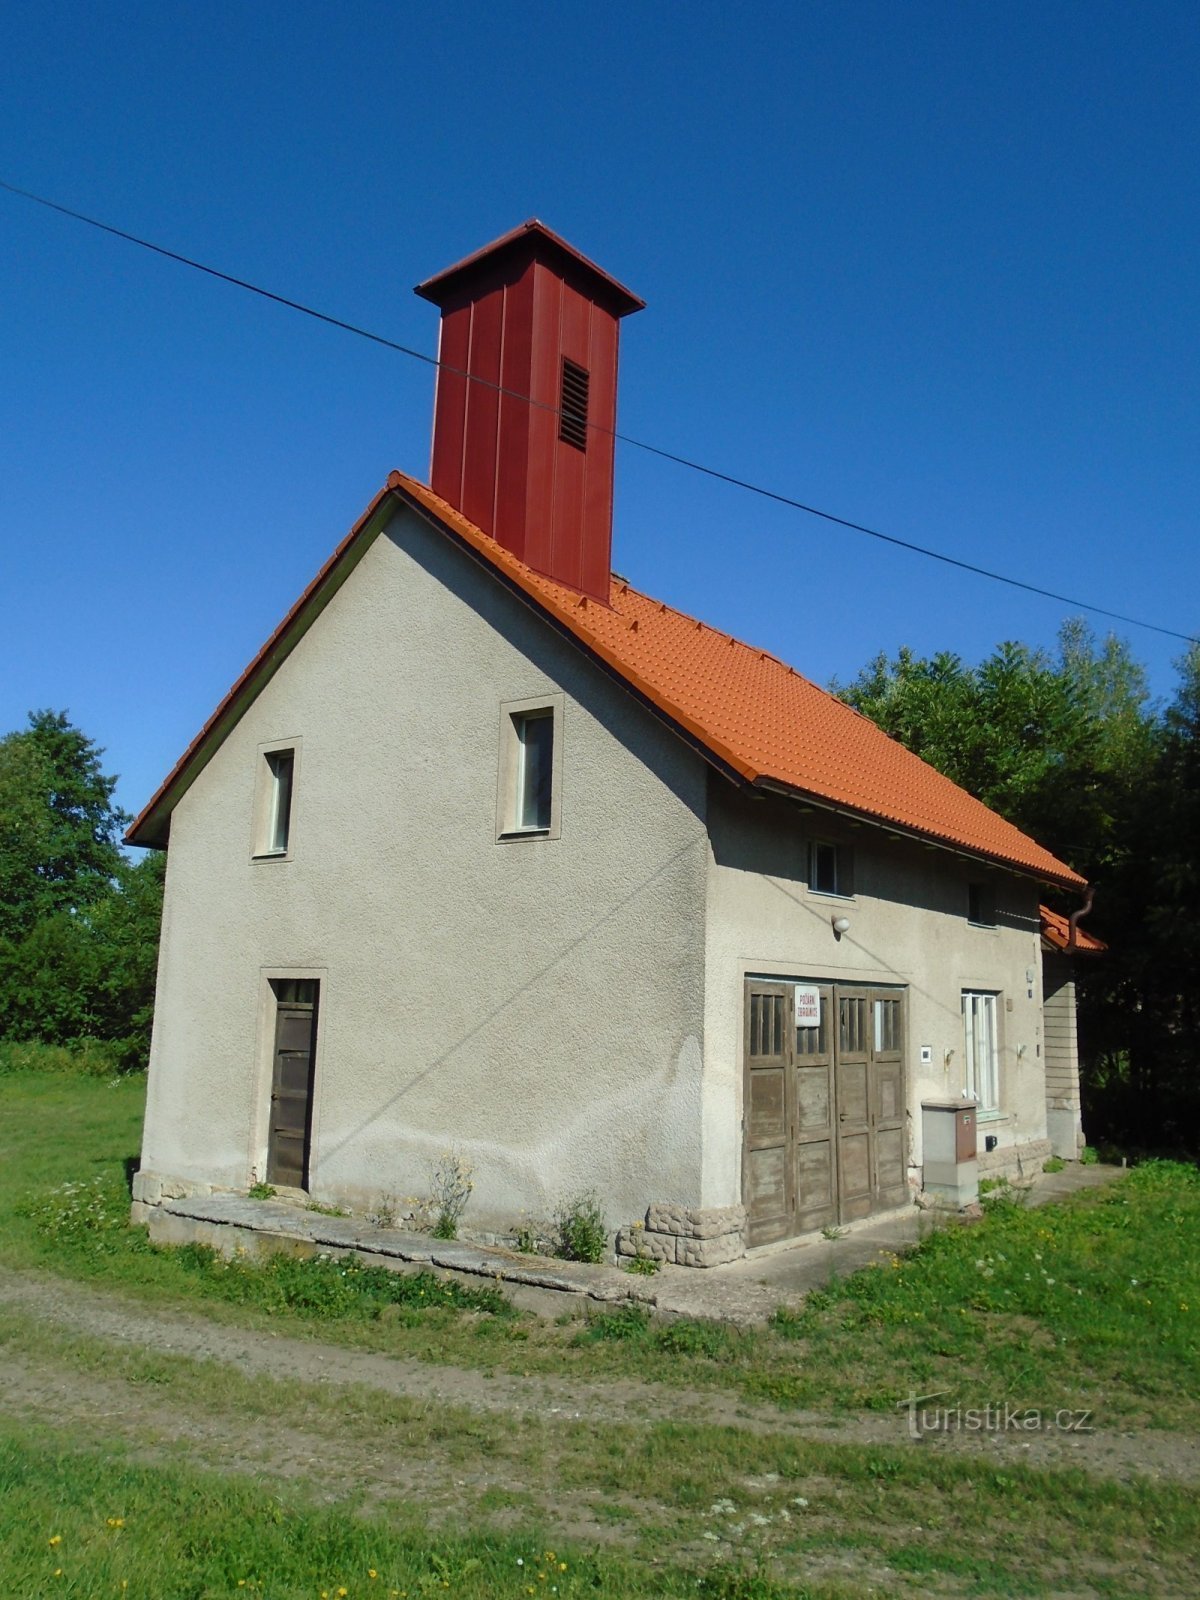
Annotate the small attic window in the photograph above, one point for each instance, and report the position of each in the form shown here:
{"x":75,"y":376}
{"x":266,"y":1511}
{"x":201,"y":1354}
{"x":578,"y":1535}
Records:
{"x":981,"y":904}
{"x":573,"y":406}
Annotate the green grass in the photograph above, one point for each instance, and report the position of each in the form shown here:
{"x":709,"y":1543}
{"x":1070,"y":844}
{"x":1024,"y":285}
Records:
{"x":186,"y":1453}
{"x":681,"y":1492}
{"x":1101,"y":1295}
{"x":77,"y":1524}
{"x":1093,"y":1303}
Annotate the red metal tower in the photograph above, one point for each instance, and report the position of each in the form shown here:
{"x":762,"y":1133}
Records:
{"x":529,"y":315}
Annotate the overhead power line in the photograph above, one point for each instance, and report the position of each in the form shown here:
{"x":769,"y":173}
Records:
{"x":623,"y":438}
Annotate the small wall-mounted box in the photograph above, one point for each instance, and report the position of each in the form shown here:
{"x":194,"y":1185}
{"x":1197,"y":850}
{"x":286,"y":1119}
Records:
{"x":948,"y":1144}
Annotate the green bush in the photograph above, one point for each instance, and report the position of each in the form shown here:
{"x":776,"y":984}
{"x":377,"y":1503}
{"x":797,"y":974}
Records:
{"x":582,"y":1230}
{"x":689,"y":1338}
{"x":626,"y":1321}
{"x":92,"y":1058}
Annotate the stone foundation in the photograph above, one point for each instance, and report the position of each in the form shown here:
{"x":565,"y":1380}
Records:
{"x":1013,"y":1160}
{"x":687,"y":1236}
{"x":151,"y":1189}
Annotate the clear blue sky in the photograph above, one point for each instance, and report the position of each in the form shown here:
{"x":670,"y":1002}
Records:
{"x":930,"y":266}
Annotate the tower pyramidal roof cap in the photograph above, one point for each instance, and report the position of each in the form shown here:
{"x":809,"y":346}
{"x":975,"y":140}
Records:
{"x":534,"y":236}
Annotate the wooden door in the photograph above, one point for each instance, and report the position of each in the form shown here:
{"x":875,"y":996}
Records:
{"x":824,"y":1128}
{"x":290,"y":1127}
{"x":767,"y":1143}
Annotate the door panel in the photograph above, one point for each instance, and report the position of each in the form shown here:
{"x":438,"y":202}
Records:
{"x":852,"y":1079}
{"x":290,"y":1125}
{"x":890,"y":1183}
{"x":814,"y":1163}
{"x":766,"y":1180}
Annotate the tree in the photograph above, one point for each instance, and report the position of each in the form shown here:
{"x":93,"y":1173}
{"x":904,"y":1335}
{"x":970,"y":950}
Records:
{"x":59,"y":828}
{"x":1050,"y":742}
{"x":78,"y":921}
{"x":1068,"y":747}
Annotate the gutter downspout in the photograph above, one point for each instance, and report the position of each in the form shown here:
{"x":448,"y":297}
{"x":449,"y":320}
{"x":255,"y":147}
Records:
{"x":1077,"y":917}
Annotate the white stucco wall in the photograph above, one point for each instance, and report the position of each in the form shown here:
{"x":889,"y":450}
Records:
{"x":908,"y":926}
{"x":538,"y":1003}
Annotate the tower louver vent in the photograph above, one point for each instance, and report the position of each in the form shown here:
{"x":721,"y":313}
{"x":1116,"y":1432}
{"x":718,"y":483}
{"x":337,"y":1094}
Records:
{"x":573,"y":411}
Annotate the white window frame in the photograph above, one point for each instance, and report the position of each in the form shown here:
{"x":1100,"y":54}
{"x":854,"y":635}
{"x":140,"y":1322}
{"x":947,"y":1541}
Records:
{"x":268,"y":794}
{"x":981,"y":1049}
{"x":515,"y":715}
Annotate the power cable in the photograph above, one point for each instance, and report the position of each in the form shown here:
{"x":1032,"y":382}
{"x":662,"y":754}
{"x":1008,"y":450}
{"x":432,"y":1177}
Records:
{"x":622,"y":438}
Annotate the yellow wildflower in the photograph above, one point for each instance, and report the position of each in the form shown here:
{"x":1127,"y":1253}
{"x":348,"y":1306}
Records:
{"x":57,"y":1539}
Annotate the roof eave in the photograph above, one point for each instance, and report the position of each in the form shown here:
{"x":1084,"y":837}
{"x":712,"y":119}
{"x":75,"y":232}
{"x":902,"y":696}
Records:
{"x":1064,"y":880}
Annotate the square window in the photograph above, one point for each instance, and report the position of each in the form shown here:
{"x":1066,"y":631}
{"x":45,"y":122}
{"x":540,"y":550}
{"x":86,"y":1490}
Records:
{"x":829,"y":868}
{"x":530,"y":769}
{"x":981,"y":904}
{"x":274,"y":801}
{"x":982,"y":1051}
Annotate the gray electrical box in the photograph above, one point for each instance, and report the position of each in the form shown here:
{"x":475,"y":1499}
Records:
{"x":949,"y":1168}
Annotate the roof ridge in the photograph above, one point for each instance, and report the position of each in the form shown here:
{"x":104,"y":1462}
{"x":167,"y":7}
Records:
{"x":777,"y":728}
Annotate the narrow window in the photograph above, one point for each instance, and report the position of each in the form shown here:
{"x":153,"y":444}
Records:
{"x":982,"y":1055}
{"x":981,"y":904}
{"x":281,"y":765}
{"x":535,"y":770}
{"x":573,"y":406}
{"x":829,"y":868}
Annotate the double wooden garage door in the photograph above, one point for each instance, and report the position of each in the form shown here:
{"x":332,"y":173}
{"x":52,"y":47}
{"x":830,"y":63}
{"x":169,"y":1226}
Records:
{"x":824,"y":1134}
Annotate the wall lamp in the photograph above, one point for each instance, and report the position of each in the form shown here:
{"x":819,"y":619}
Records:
{"x":840,"y":926}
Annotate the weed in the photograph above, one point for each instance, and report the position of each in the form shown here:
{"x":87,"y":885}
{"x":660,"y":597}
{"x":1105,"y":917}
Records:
{"x":1053,"y":1164}
{"x":582,"y":1230}
{"x":1088,"y":1156}
{"x":333,"y":1288}
{"x":690,"y":1338}
{"x":834,"y":1233}
{"x":642,"y":1266}
{"x":326,"y":1211}
{"x":261,"y":1191}
{"x":625,"y":1321}
{"x":451,"y":1182}
{"x":384,"y":1212}
{"x":528,"y":1240}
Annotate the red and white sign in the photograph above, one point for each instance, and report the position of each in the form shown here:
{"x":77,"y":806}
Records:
{"x":808,"y":1007}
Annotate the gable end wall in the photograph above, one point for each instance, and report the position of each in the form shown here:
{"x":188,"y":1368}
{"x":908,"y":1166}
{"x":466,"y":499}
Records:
{"x":537,"y":1005}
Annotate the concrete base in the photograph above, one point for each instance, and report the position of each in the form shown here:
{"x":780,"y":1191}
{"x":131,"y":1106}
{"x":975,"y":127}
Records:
{"x":1065,"y":1128}
{"x":956,"y":1183}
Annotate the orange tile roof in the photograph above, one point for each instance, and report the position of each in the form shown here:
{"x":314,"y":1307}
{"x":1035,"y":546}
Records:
{"x":1056,"y":930}
{"x":755,"y":714}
